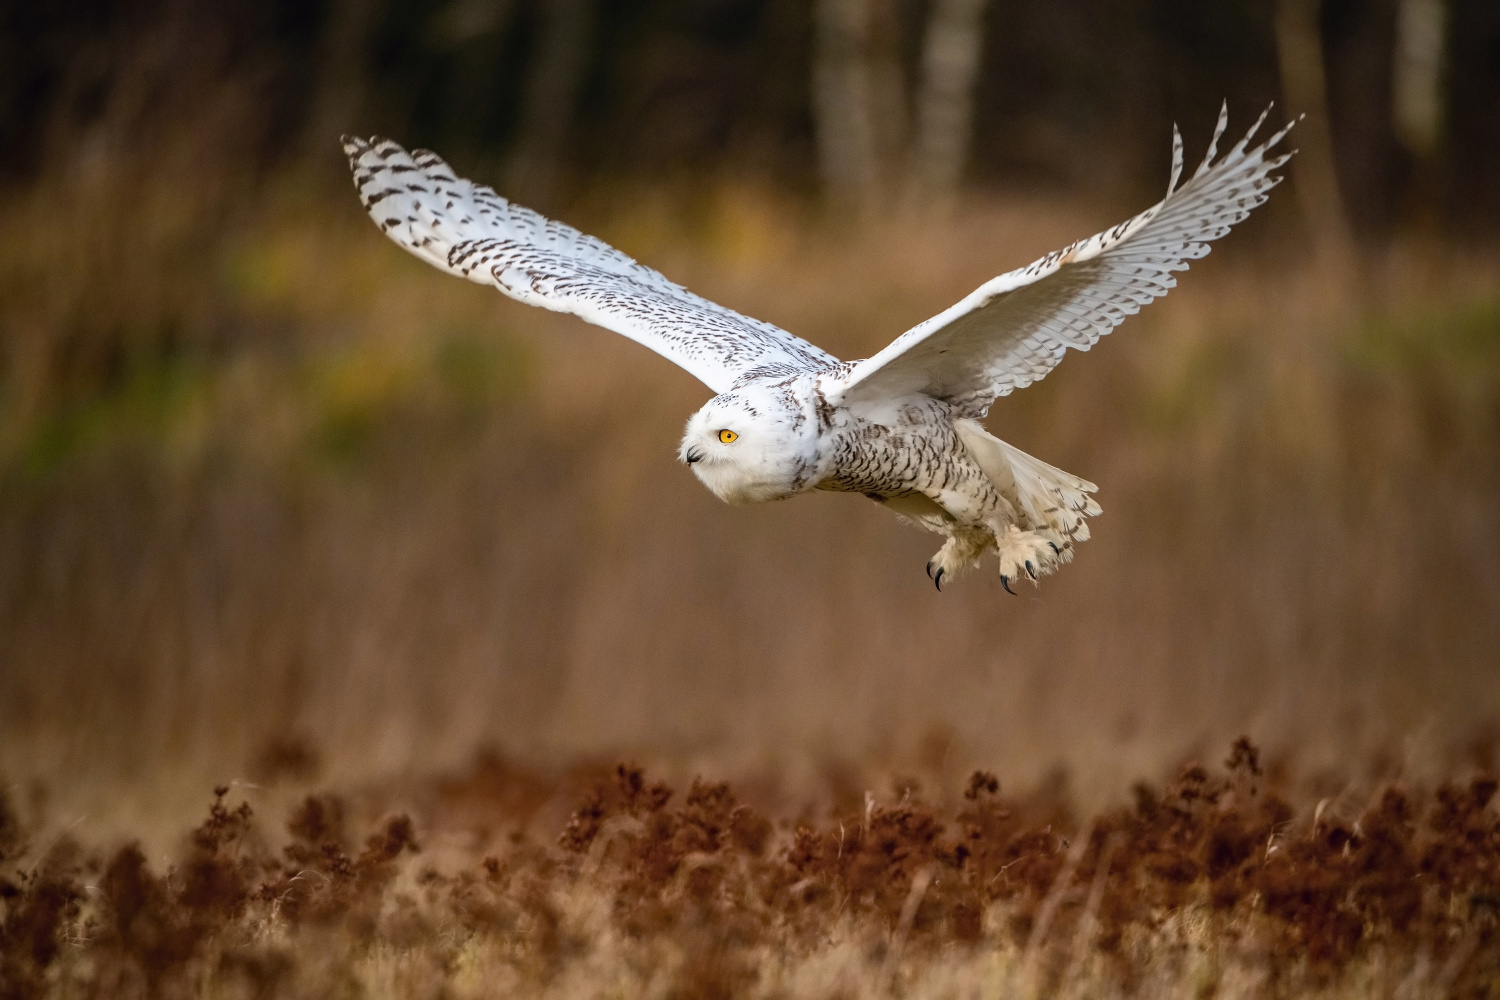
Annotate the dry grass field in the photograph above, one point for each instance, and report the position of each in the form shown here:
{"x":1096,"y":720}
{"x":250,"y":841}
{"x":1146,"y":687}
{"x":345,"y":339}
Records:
{"x":405,"y":569}
{"x":1214,"y":885}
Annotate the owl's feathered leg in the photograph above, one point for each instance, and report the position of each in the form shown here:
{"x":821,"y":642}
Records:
{"x":959,"y":554}
{"x":1045,"y":508}
{"x":966,"y":543}
{"x":1033,"y":553}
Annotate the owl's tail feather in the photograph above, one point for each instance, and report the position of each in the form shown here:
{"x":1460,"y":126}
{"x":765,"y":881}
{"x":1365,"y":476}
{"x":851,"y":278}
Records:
{"x":1047,"y":498}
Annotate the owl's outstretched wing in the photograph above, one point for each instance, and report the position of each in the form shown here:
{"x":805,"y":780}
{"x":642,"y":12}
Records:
{"x":468,"y":230}
{"x":1014,"y":329}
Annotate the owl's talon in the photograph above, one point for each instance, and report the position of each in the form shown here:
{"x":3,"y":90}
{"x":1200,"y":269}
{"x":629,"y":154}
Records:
{"x":1005,"y":582}
{"x":1028,"y":552}
{"x":959,"y":553}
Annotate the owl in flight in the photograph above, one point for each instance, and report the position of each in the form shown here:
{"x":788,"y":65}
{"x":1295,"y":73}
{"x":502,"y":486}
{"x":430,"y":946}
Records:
{"x":902,"y":427}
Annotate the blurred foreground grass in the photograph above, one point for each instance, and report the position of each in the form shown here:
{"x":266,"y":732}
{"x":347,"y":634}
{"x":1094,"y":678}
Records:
{"x":495,"y":880}
{"x":267,"y":477}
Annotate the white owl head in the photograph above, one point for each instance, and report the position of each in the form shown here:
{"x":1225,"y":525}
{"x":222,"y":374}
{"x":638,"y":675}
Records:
{"x":753,"y":444}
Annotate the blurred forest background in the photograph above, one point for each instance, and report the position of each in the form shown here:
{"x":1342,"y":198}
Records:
{"x":277,"y":498}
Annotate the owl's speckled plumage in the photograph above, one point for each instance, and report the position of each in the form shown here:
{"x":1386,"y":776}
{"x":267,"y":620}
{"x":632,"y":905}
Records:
{"x":901,"y":427}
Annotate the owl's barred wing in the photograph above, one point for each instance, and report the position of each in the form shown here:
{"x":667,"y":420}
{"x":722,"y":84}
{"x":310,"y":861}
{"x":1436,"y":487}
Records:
{"x":468,"y":230}
{"x":1014,"y":329}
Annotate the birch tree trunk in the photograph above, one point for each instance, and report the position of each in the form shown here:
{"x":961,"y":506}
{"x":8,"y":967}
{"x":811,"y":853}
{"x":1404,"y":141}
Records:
{"x":1419,"y":104}
{"x":890,"y":111}
{"x":1314,"y":174}
{"x":1417,"y":75}
{"x":848,"y":156}
{"x":945,"y":105}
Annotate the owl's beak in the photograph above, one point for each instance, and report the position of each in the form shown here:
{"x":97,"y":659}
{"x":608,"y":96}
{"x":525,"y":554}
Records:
{"x":693,"y":455}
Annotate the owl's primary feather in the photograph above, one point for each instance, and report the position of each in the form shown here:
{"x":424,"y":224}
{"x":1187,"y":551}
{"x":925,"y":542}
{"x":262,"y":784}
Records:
{"x":1014,"y":329}
{"x":900,"y":427}
{"x":468,"y":230}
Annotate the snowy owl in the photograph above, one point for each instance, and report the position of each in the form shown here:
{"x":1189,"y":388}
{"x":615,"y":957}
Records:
{"x":902,"y":427}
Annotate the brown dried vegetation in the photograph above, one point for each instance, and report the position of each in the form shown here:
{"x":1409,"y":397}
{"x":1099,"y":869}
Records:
{"x":705,"y":896}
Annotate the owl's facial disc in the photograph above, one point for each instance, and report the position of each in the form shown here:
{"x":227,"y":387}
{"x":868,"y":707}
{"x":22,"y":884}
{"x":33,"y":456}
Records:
{"x":748,"y":446}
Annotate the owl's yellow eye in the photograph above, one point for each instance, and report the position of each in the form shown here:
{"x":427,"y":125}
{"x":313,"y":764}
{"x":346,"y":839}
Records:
{"x":727,"y":436}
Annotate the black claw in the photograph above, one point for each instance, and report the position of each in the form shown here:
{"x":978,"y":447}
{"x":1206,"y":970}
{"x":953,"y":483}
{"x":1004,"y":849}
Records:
{"x":1030,"y":572}
{"x":938,"y":580}
{"x":1055,"y":548}
{"x":1005,"y":582}
{"x":929,"y":571}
